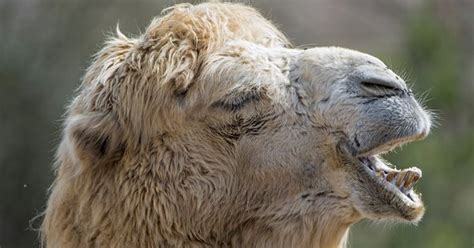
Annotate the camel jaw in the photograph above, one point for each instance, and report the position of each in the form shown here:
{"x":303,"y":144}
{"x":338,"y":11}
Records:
{"x":381,"y":191}
{"x":395,"y":186}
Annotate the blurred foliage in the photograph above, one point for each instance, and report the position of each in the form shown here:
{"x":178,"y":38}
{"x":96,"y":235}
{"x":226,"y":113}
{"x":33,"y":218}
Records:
{"x":435,"y":54}
{"x":46,"y":44}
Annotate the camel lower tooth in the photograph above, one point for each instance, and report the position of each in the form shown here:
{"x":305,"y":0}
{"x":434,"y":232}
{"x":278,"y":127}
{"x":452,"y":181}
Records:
{"x":411,"y":177}
{"x":408,"y":180}
{"x":400,"y":179}
{"x":391,"y":176}
{"x":400,"y":184}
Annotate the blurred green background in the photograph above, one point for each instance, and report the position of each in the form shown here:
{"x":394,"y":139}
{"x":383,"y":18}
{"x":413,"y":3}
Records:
{"x":45,"y":46}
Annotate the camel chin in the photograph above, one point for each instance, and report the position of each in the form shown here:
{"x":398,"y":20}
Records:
{"x":211,"y":130}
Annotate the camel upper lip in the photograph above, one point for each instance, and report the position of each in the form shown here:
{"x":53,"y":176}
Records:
{"x":390,"y":145}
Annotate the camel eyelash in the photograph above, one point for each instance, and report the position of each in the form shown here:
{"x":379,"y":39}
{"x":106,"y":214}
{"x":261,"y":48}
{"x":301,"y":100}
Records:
{"x":236,"y":103}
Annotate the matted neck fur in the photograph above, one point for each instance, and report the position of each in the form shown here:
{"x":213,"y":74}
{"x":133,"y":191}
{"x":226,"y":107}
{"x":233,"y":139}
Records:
{"x":210,"y":130}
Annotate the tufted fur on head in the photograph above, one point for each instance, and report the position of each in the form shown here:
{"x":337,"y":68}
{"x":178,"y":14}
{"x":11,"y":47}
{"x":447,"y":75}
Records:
{"x":128,"y":75}
{"x":209,"y":130}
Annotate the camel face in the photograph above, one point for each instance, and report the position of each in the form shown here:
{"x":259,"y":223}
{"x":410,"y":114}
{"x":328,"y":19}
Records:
{"x":301,"y":129}
{"x":316,"y":121}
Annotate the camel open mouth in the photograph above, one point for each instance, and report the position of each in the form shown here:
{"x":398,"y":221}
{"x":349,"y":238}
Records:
{"x":396,"y":186}
{"x":399,"y":184}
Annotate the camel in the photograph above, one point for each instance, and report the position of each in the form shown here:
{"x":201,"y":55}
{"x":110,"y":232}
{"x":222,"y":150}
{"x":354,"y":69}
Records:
{"x":211,"y":130}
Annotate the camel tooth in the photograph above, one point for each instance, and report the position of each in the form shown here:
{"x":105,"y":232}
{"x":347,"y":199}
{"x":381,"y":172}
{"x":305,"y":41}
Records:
{"x":391,"y":176}
{"x":412,"y":176}
{"x":400,"y":179}
{"x":400,"y":182}
{"x":416,"y":176}
{"x":415,"y":171}
{"x":408,"y":179}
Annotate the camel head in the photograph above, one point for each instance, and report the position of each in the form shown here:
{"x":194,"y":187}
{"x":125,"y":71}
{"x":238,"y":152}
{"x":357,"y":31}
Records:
{"x":230,"y":135}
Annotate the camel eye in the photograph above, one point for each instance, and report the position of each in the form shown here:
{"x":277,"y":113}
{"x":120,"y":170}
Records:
{"x":238,"y":101}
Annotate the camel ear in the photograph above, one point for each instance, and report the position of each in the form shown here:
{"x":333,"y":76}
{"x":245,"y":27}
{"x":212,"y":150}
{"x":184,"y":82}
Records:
{"x":93,"y":138}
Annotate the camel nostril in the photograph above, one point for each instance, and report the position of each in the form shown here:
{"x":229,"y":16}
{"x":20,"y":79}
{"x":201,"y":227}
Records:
{"x":382,"y":87}
{"x":377,"y":85}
